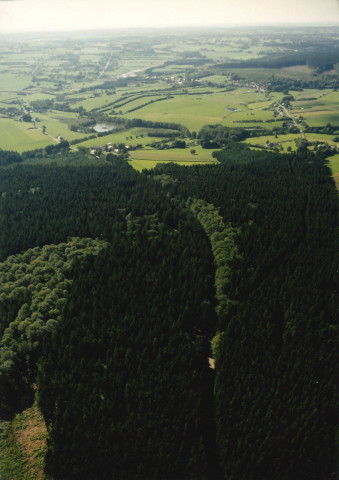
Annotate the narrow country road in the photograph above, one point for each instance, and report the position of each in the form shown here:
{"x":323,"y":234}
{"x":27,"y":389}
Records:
{"x":287,"y":114}
{"x":106,"y":65}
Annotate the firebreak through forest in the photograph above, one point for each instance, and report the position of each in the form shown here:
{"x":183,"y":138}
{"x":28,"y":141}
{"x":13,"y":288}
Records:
{"x":236,"y":261}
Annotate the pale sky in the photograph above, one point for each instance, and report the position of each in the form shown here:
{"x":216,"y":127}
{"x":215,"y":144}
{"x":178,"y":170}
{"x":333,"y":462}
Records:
{"x":49,"y":15}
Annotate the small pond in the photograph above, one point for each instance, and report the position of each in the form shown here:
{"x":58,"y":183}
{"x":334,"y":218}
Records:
{"x":104,"y":127}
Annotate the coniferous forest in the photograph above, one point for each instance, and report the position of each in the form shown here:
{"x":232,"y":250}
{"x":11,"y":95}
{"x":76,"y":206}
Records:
{"x":196,"y":337}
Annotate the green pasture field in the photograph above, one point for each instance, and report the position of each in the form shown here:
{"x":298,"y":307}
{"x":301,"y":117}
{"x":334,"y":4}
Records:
{"x":192,"y":115}
{"x":17,"y":136}
{"x":320,"y":118}
{"x":309,"y":93}
{"x":139,"y":102}
{"x":302,"y":72}
{"x":285,"y":140}
{"x":330,"y":97}
{"x":89,"y":103}
{"x":49,"y":86}
{"x":191,"y":111}
{"x":276,"y":96}
{"x":245,"y":96}
{"x":160,"y":85}
{"x":37,"y":96}
{"x":11,"y":82}
{"x":132,"y":63}
{"x":331,"y":102}
{"x":194,"y":111}
{"x":7,"y":97}
{"x":217,"y":79}
{"x":284,"y":146}
{"x":248,"y":118}
{"x":334,"y":163}
{"x":148,"y":164}
{"x":57,"y":124}
{"x":320,"y":98}
{"x":137,"y":88}
{"x":130,"y":96}
{"x":125,"y":137}
{"x":321,"y":111}
{"x":260,"y":105}
{"x":307,"y":105}
{"x":321,"y":137}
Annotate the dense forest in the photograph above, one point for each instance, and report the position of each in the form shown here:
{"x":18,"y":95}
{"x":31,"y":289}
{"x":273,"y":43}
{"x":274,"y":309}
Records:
{"x":274,"y":388}
{"x":321,"y":59}
{"x":7,"y":157}
{"x":231,"y":265}
{"x":33,"y":290}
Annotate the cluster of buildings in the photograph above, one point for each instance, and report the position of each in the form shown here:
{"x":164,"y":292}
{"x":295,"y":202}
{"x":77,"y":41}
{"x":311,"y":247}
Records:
{"x":108,"y":148}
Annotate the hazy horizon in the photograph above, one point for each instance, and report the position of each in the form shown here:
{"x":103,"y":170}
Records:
{"x":76,"y":15}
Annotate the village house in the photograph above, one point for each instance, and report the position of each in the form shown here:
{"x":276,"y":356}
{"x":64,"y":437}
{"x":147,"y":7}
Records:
{"x":269,"y":144}
{"x":96,"y":149}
